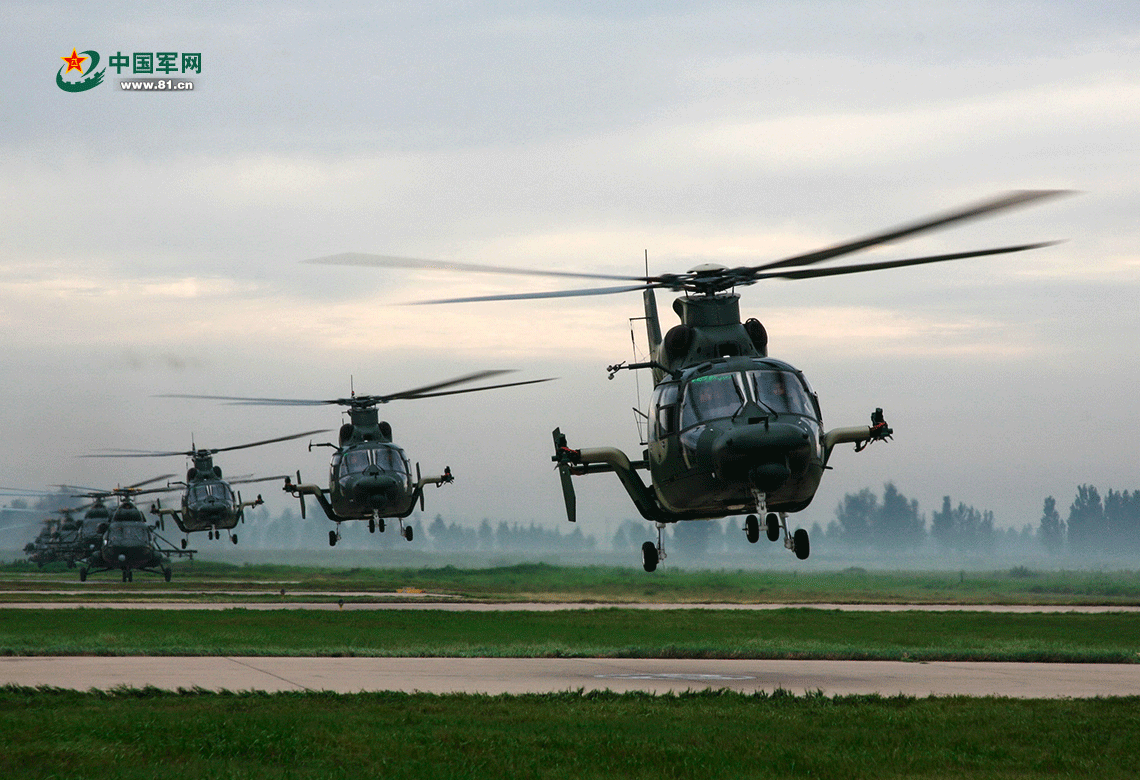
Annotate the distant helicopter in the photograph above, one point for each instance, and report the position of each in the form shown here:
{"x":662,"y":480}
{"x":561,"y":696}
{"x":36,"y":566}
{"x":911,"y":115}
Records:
{"x":128,"y":543}
{"x":370,"y":478}
{"x":208,"y":502}
{"x":730,"y":429}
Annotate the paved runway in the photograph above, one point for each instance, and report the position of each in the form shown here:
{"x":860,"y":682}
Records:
{"x":330,"y":602}
{"x":535,"y":675}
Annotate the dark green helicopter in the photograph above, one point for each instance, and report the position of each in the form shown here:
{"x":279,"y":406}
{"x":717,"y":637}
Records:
{"x":209,"y":503}
{"x":731,"y":430}
{"x":370,"y":477}
{"x":128,"y":543}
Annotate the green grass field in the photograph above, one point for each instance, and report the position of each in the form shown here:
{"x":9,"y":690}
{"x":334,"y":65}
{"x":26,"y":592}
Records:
{"x":604,"y":632}
{"x":545,"y":582}
{"x":152,"y":734}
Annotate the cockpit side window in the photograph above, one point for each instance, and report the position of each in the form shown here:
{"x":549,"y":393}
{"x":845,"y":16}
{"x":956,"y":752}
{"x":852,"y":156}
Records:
{"x":664,"y":409}
{"x":355,"y":461}
{"x":710,"y":398}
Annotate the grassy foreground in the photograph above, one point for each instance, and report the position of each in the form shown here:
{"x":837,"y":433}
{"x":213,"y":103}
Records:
{"x":127,"y":734}
{"x":605,"y":632}
{"x":545,"y":582}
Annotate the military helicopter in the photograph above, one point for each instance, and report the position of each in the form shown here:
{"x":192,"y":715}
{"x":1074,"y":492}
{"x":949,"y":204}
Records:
{"x":209,"y":503}
{"x":370,"y":478}
{"x":731,"y":430}
{"x":128,"y":543}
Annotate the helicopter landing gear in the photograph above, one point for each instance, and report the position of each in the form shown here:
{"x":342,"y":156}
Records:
{"x":404,"y":532}
{"x":83,"y":574}
{"x":183,"y":543}
{"x":752,"y":529}
{"x":652,"y":554}
{"x":128,"y":575}
{"x":800,"y":544}
{"x":649,"y":556}
{"x":233,"y":538}
{"x":772,"y":524}
{"x":167,"y":573}
{"x":372,"y":526}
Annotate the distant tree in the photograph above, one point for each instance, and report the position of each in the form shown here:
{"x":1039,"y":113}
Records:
{"x":962,"y":527}
{"x":1122,"y":519}
{"x":1051,"y":530}
{"x":692,"y":537}
{"x":486,"y":535}
{"x":891,"y":525}
{"x":1086,"y":520}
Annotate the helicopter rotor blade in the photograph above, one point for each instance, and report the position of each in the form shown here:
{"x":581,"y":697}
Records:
{"x":812,"y":273}
{"x":387,"y":261}
{"x":421,"y":391}
{"x":477,"y":389}
{"x":973,"y":211}
{"x":547,"y":294}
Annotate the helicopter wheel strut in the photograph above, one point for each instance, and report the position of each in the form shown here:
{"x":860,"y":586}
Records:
{"x":404,"y":532}
{"x":752,"y":529}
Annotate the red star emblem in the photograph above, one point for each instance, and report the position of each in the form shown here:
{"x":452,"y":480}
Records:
{"x":74,"y":62}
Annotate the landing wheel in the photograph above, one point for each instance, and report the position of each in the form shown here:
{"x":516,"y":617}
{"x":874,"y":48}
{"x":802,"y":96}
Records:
{"x":380,"y":524}
{"x":167,"y":573}
{"x":649,"y":556}
{"x":83,"y":575}
{"x":752,"y":529}
{"x":183,"y":544}
{"x":332,"y":538}
{"x":772,"y":526}
{"x":408,"y":533}
{"x":802,"y":547}
{"x":371,"y":526}
{"x":124,"y":575}
{"x":234,"y":538}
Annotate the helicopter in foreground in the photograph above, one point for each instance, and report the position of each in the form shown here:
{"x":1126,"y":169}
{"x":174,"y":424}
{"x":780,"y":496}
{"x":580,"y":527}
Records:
{"x":731,"y":430}
{"x":370,"y":477}
{"x":209,"y":503}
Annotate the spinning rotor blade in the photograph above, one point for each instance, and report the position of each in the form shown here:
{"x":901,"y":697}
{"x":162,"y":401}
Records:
{"x":387,"y":261}
{"x":190,"y":453}
{"x":999,"y":203}
{"x":548,"y":294}
{"x":247,"y":480}
{"x":710,"y":280}
{"x":371,"y":400}
{"x":485,"y":387}
{"x":811,"y":273}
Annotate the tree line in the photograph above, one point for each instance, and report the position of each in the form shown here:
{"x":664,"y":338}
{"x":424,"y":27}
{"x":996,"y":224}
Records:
{"x":1092,"y":524}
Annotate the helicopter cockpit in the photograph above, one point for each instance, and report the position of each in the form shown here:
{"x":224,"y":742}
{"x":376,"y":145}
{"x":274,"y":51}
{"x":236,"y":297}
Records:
{"x":128,"y":535}
{"x":202,"y":493}
{"x":389,"y":460}
{"x":718,"y":396}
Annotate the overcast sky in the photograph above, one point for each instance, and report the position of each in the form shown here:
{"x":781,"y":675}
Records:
{"x":151,"y":243}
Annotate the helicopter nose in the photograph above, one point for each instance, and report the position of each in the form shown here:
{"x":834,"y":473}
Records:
{"x":758,"y":454}
{"x":377,"y":490}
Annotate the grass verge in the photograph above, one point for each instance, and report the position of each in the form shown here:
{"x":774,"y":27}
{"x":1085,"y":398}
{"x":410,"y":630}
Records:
{"x":800,"y":633}
{"x":127,"y":734}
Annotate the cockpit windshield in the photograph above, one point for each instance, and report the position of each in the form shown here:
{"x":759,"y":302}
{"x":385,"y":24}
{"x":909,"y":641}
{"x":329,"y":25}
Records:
{"x":780,"y":391}
{"x":128,"y":535}
{"x":218,"y":490}
{"x":710,"y":398}
{"x":385,"y":458}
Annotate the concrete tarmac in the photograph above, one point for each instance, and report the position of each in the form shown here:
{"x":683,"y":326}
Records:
{"x":541,"y":675}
